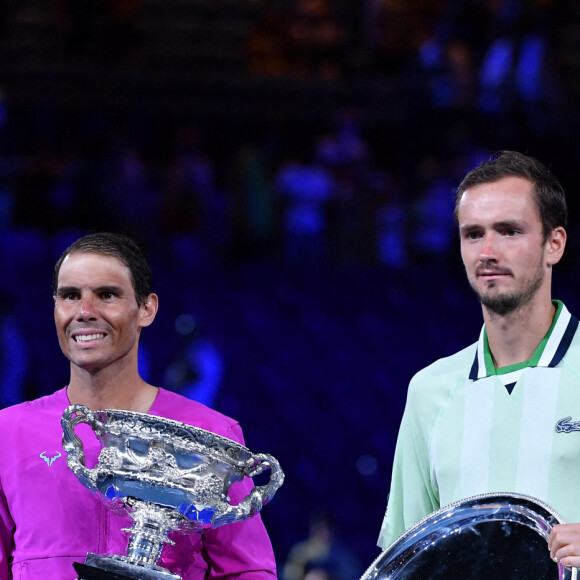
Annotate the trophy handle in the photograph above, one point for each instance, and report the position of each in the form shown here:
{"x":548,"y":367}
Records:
{"x":259,"y":496}
{"x":74,"y":446}
{"x":267,"y":491}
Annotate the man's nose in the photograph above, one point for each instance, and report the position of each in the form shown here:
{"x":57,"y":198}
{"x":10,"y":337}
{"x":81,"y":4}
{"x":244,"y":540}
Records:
{"x":488,"y":249}
{"x":86,"y":309}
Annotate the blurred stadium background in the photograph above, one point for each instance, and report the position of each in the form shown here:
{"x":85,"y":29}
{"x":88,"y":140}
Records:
{"x":289,"y":167}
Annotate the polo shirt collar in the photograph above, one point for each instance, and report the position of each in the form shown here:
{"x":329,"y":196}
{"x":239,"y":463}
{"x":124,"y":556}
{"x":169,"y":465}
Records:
{"x":549,"y":352}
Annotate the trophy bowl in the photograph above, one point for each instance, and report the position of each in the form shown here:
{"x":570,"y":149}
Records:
{"x":502,"y":536}
{"x":169,"y":476}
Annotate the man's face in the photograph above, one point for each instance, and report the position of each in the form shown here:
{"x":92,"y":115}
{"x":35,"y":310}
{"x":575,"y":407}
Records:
{"x":502,"y":243}
{"x":98,"y":320}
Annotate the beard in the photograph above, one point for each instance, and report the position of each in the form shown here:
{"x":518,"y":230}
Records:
{"x":503,"y":304}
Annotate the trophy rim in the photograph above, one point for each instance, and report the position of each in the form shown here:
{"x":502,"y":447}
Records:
{"x":148,"y":417}
{"x":508,"y":506}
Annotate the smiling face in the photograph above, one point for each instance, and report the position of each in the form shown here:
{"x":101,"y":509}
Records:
{"x":98,"y":320}
{"x":502,"y":244}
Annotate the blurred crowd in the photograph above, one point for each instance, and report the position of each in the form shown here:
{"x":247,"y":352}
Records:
{"x":322,"y":198}
{"x":476,"y":76}
{"x":481,"y":54}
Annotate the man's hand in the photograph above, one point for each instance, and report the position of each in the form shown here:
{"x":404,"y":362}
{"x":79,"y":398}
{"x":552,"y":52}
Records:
{"x":564,"y":545}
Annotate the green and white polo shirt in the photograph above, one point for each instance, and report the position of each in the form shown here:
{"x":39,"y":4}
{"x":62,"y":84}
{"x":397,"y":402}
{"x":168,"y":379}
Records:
{"x":469,"y":428}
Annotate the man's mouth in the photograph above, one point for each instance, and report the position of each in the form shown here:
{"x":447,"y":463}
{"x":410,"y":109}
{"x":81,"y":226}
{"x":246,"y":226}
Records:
{"x":88,"y":337}
{"x":488,"y":273}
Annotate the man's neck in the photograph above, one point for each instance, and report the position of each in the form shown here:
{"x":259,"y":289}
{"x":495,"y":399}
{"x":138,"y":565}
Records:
{"x":127,"y":391}
{"x":513,"y":338}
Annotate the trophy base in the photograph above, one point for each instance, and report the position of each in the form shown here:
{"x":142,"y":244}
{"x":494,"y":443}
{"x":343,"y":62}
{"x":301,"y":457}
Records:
{"x":90,"y":573}
{"x":112,"y":568}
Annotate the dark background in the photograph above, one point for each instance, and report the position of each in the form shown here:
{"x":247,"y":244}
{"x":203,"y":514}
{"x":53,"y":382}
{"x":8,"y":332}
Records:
{"x":179,"y":123}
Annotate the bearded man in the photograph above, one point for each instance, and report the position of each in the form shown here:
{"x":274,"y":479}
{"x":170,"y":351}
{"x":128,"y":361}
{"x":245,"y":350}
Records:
{"x":502,"y":415}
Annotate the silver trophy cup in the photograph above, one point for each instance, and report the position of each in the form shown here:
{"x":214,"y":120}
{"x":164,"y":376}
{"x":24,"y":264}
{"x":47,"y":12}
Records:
{"x":169,"y":476}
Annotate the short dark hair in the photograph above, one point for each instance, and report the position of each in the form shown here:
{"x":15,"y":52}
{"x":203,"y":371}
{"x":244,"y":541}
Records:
{"x":548,"y":193}
{"x":117,"y":246}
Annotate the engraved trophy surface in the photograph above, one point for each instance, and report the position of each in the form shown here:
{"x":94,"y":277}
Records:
{"x":169,"y":476}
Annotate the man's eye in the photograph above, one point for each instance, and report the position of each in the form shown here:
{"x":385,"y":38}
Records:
{"x":511,"y":233}
{"x":70,"y":296}
{"x":107,"y":295}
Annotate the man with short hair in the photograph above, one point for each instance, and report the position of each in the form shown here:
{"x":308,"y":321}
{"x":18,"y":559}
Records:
{"x":103,"y":299}
{"x":492,"y":417}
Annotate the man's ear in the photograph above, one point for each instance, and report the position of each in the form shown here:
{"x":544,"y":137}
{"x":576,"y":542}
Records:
{"x":555,"y":245}
{"x":148,"y":310}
